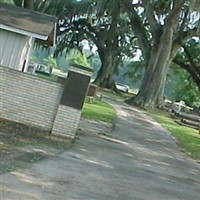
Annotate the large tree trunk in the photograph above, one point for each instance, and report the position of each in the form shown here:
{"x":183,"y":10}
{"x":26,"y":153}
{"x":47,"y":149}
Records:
{"x":108,"y":52}
{"x":108,"y":49}
{"x":104,"y":77}
{"x":150,"y":93}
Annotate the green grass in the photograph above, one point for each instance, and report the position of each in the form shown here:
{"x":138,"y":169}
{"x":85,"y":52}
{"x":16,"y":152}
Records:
{"x":188,"y":138}
{"x":99,"y":110}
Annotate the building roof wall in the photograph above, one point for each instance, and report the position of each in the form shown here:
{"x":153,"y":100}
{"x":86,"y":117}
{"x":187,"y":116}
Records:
{"x":27,"y":22}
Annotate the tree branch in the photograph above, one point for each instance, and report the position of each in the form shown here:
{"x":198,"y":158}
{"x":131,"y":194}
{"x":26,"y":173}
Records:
{"x":190,"y":69}
{"x":138,"y":29}
{"x":183,"y":36}
{"x":189,"y":56}
{"x":175,"y":12}
{"x":150,"y":17}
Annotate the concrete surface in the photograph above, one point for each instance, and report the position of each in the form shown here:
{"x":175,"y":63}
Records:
{"x":139,"y":160}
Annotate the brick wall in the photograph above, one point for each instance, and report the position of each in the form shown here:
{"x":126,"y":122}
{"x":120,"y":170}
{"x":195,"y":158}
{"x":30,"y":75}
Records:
{"x":27,"y":99}
{"x":69,"y":115}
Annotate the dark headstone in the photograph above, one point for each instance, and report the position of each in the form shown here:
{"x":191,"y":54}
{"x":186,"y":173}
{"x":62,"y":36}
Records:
{"x":75,"y":90}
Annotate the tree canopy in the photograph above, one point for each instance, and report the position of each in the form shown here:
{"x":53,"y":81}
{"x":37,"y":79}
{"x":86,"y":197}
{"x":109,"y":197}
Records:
{"x":102,"y":24}
{"x":188,"y":58}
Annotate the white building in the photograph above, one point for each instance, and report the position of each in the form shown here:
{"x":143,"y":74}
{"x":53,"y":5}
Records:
{"x":19,"y":28}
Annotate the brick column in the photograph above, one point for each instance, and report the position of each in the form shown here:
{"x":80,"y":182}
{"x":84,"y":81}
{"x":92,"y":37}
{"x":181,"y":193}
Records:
{"x":71,"y":104}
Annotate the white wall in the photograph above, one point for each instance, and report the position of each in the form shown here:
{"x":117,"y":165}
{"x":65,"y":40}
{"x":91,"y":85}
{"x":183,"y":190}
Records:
{"x":14,"y":49}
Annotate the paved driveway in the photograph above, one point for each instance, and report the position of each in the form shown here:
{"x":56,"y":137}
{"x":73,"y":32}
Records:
{"x":139,"y":160}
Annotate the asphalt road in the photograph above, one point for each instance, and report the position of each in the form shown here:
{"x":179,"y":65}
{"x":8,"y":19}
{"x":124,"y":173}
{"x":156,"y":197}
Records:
{"x":139,"y":160}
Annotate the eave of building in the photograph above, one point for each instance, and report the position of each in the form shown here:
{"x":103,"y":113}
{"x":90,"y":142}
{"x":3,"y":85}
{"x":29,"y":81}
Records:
{"x":23,"y":32}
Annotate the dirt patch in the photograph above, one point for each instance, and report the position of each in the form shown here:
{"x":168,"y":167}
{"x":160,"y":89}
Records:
{"x":21,"y":145}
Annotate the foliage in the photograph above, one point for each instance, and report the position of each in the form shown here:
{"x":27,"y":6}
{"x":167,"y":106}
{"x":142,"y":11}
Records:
{"x":63,"y":62}
{"x":99,"y":110}
{"x":80,"y":59}
{"x":50,"y":61}
{"x":38,"y":54}
{"x":188,"y":58}
{"x":186,"y":90}
{"x":42,"y":56}
{"x":100,"y":23}
{"x":135,"y":70}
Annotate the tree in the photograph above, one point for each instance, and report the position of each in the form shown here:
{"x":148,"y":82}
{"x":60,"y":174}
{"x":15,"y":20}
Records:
{"x":108,"y":40}
{"x":101,"y":23}
{"x":161,"y":28}
{"x":189,"y":59}
{"x":185,"y":89}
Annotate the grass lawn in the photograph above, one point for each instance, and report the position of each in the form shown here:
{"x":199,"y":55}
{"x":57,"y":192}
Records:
{"x":99,"y":110}
{"x":188,"y":138}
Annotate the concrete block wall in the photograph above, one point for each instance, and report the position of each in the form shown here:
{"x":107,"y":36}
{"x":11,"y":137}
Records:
{"x":66,"y":122}
{"x":27,"y":99}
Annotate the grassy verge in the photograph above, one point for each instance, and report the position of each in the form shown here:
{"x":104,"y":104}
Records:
{"x":188,"y":138}
{"x":99,"y":110}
